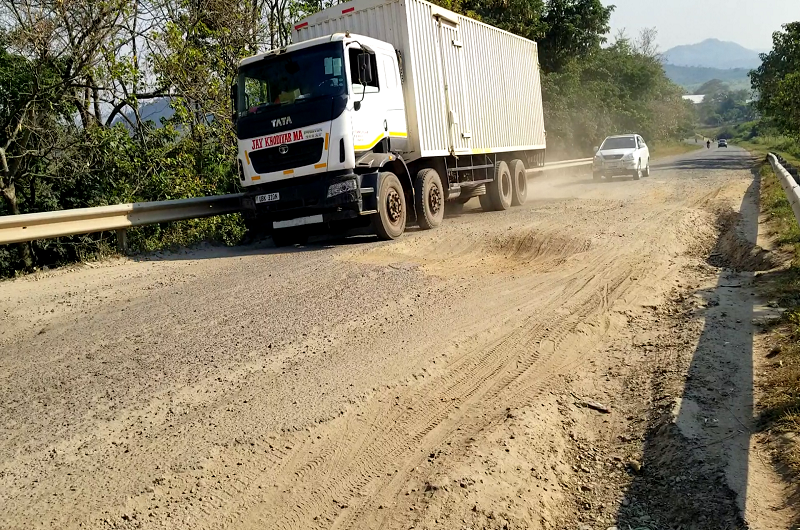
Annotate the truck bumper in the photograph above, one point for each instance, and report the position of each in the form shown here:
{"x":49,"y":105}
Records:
{"x":316,"y":200}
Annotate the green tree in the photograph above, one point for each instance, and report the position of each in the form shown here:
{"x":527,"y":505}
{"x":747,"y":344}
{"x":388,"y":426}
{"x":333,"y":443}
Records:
{"x":573,"y":29}
{"x":712,"y":87}
{"x":620,"y":88}
{"x":777,"y":81}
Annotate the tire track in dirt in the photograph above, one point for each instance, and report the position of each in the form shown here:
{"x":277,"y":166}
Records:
{"x":483,"y":379}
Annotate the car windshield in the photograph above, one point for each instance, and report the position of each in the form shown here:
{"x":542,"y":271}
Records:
{"x":292,"y":78}
{"x":622,"y":142}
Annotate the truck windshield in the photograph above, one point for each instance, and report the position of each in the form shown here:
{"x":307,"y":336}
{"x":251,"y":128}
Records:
{"x":624,"y":142}
{"x":291,"y":78}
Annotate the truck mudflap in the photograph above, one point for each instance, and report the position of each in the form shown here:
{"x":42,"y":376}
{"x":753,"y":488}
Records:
{"x":319,"y":199}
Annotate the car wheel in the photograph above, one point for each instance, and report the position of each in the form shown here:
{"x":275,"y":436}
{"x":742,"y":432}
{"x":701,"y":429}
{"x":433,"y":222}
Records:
{"x":647,"y":169}
{"x":638,"y":173}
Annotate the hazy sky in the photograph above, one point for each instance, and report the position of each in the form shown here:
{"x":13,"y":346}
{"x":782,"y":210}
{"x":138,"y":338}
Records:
{"x":747,"y":22}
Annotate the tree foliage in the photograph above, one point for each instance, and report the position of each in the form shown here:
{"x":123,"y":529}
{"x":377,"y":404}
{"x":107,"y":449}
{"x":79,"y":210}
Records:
{"x":617,"y":89}
{"x":777,"y":81}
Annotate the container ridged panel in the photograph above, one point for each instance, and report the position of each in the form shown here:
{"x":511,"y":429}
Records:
{"x":426,"y":76}
{"x":500,"y":79}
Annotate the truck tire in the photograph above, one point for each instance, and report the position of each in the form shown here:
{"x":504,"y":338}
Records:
{"x":519,"y":180}
{"x":429,"y":199}
{"x":500,"y":190}
{"x":284,"y":237}
{"x":390,"y":221}
{"x":255,"y":230}
{"x":486,"y":202}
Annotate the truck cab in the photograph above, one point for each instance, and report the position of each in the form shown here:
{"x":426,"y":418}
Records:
{"x":307,"y":116}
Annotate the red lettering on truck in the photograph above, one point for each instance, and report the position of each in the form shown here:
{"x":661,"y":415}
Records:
{"x":276,"y":139}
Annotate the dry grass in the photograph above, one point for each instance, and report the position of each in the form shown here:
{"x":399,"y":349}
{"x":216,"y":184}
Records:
{"x":666,"y":149}
{"x":763,"y":149}
{"x":775,"y":205}
{"x":780,"y":402}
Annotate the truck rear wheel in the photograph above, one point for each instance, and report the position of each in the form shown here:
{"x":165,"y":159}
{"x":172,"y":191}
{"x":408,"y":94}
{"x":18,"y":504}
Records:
{"x":486,"y":202}
{"x":429,"y":199}
{"x":519,"y":179}
{"x":390,"y":221}
{"x":500,"y":190}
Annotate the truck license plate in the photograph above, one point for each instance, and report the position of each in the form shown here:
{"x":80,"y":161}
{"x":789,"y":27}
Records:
{"x":268,"y":197}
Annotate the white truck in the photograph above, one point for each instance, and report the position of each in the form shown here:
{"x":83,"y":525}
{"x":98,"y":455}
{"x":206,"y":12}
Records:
{"x":378,"y":113}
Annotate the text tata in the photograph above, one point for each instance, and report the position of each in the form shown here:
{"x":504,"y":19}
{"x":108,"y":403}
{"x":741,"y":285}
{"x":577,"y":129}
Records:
{"x":277,"y":139}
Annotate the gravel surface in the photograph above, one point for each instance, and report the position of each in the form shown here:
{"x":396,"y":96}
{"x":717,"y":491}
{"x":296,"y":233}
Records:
{"x":438,"y":381}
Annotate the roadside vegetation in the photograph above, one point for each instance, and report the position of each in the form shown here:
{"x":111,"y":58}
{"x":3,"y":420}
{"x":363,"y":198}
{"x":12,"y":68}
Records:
{"x":79,"y":82}
{"x":674,"y":148}
{"x":780,"y":402}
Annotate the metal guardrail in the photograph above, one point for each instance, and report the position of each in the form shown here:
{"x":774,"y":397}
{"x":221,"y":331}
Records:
{"x":120,"y":217}
{"x":788,"y":182}
{"x":562,"y":165}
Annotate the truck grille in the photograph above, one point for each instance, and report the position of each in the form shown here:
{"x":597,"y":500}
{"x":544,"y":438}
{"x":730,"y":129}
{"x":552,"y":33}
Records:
{"x":299,"y":154}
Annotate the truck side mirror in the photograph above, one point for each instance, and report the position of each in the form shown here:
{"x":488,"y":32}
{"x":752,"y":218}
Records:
{"x":365,"y":69}
{"x":596,"y":149}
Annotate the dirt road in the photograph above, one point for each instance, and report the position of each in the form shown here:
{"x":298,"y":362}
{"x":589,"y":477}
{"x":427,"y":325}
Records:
{"x":439,"y":381}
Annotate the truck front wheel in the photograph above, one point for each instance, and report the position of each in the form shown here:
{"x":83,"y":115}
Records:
{"x":500,"y":190}
{"x":429,"y":198}
{"x":390,"y":221}
{"x":519,"y":178}
{"x":284,"y":237}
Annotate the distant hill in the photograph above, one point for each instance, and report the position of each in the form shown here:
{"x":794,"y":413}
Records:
{"x":713,"y":53}
{"x":693,"y":77}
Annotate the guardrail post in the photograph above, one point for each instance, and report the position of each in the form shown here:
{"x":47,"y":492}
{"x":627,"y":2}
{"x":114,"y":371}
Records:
{"x":122,"y":241}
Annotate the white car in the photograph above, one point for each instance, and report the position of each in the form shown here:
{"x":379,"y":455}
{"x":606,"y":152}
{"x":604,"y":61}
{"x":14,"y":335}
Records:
{"x":626,"y":154}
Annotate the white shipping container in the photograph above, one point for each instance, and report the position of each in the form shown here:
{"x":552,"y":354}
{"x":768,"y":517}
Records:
{"x":469,"y":88}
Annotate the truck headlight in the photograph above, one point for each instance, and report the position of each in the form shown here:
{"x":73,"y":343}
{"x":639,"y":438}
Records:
{"x":341,"y":187}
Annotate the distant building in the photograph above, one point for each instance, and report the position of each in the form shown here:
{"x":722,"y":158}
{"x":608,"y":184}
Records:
{"x":695,"y":99}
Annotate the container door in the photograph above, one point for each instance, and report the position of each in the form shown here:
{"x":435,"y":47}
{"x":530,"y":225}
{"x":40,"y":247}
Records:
{"x":455,"y":89}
